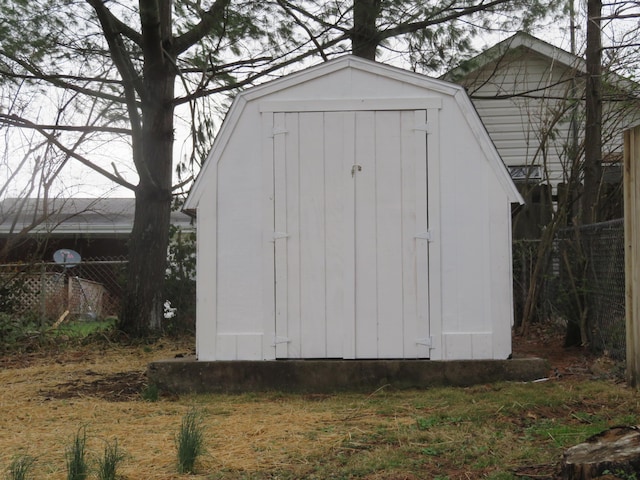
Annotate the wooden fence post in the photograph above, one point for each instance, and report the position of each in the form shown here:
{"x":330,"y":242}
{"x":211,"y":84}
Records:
{"x":632,"y":251}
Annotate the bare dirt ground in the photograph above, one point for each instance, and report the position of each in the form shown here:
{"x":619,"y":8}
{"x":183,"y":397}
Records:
{"x":125,"y":383}
{"x":548,"y":344}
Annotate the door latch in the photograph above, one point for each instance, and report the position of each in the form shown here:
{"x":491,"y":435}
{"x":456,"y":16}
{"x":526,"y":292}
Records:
{"x":354,"y":169}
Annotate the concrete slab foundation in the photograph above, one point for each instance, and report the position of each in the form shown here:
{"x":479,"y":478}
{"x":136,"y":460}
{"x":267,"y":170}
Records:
{"x":186,"y":375}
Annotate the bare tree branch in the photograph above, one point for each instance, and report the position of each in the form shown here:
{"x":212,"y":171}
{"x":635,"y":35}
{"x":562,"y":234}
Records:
{"x":285,"y":6}
{"x":54,"y":141}
{"x":59,"y":81}
{"x":262,"y":73}
{"x":16,"y":121}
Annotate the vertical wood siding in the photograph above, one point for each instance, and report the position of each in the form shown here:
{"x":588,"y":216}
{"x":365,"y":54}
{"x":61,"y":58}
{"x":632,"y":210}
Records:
{"x":349,"y":280}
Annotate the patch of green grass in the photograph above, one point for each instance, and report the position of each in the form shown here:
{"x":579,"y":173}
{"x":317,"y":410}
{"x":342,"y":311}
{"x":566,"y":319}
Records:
{"x":82,"y":329}
{"x":430,"y":451}
{"x":487,"y":431}
{"x":563,"y":434}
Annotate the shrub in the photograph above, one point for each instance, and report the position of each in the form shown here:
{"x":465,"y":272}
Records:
{"x":11,"y":290}
{"x":19,"y":332}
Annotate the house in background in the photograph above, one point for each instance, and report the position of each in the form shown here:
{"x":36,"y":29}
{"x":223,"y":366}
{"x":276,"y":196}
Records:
{"x":353,"y":210}
{"x":93,"y":227}
{"x":97,"y":229}
{"x":530,"y":97}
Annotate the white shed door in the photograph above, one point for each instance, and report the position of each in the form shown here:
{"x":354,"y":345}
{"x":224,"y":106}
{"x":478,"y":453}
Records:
{"x":350,"y":230}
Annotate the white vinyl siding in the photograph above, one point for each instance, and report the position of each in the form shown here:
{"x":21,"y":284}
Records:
{"x":540,"y":91}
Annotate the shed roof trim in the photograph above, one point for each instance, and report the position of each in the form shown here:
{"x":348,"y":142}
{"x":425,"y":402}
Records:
{"x":341,"y":105}
{"x":349,"y":61}
{"x":356,"y":63}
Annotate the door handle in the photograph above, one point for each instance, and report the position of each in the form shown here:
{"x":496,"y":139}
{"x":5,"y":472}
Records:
{"x":354,"y":169}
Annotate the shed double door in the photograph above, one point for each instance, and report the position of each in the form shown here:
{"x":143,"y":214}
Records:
{"x":350,"y":234}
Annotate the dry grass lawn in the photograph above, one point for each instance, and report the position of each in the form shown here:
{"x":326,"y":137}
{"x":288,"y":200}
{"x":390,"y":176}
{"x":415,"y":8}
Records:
{"x":493,"y":431}
{"x":44,"y":401}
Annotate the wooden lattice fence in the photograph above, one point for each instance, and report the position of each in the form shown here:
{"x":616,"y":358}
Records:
{"x":92,"y":289}
{"x":37,"y":291}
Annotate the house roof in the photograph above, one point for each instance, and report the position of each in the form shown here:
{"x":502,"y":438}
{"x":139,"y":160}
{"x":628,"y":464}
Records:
{"x":525,"y":42}
{"x":520,"y":40}
{"x":434,"y":85}
{"x":88,"y":216}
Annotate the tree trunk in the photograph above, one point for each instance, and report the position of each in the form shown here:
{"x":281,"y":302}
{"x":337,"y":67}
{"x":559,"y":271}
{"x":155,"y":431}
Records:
{"x":615,"y":451}
{"x":593,"y":106}
{"x":142,"y":309}
{"x":364,"y":36}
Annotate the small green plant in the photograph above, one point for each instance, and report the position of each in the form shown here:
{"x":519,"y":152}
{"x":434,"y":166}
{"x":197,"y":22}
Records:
{"x":620,"y":473}
{"x":20,"y":467}
{"x":108,"y":464}
{"x":77,"y":468}
{"x":426,"y":423}
{"x":150,"y":393}
{"x":20,"y":332}
{"x":430,"y":451}
{"x":190,"y":441}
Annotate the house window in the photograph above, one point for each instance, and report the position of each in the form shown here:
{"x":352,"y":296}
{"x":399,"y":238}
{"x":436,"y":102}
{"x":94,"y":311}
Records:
{"x":525,"y":173}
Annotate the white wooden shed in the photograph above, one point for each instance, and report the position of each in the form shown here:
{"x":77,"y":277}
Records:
{"x":353,"y":210}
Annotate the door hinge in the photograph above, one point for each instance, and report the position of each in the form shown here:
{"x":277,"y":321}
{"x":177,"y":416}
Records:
{"x":427,"y":342}
{"x":280,"y":235}
{"x":278,"y":131}
{"x":278,"y":340}
{"x":425,"y":236}
{"x":423,"y":127}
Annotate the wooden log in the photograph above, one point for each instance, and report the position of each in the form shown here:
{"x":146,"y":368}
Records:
{"x":60,"y":320}
{"x":615,"y":451}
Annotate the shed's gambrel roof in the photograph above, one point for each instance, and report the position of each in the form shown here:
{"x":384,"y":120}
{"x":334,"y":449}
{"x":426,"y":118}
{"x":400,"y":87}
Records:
{"x":432,"y":85}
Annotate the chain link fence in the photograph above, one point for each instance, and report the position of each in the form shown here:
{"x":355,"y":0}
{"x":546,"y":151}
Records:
{"x":91,"y":289}
{"x":595,"y":253}
{"x":581,"y":282}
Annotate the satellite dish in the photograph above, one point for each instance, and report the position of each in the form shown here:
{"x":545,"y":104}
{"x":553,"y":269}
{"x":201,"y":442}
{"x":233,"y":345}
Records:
{"x":67,"y":258}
